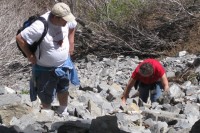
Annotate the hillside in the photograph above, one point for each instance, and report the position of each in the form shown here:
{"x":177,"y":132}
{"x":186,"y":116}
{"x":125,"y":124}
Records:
{"x":134,"y":28}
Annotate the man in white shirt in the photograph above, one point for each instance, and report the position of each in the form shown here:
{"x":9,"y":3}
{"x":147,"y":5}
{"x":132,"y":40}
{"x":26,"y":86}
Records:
{"x":51,"y":69}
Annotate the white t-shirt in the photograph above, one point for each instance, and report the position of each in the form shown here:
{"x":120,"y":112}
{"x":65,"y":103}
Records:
{"x":54,"y":49}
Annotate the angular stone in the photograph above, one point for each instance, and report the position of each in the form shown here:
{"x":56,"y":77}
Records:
{"x":107,"y":124}
{"x":6,"y":90}
{"x":9,"y":99}
{"x":176,"y":91}
{"x":103,"y":86}
{"x":196,"y":127}
{"x":94,"y":109}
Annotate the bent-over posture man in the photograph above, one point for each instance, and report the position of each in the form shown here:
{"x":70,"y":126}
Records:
{"x":52,"y":67}
{"x":151,"y":78}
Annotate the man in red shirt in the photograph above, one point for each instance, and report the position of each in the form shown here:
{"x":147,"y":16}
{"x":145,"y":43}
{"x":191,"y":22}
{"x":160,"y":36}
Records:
{"x":151,"y":77}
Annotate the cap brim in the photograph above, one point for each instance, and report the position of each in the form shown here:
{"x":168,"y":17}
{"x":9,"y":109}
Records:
{"x":69,"y":17}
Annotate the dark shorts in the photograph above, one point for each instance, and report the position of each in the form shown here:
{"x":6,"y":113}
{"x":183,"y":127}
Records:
{"x":49,"y":81}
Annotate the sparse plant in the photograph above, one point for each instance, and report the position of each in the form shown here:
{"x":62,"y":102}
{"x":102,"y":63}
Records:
{"x":25,"y":92}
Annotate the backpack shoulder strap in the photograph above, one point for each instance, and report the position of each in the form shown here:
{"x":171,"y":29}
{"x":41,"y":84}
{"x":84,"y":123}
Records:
{"x":43,"y":20}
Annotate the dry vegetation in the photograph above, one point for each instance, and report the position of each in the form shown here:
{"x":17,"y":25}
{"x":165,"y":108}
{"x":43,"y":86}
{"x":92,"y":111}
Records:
{"x":151,"y":28}
{"x":107,"y":28}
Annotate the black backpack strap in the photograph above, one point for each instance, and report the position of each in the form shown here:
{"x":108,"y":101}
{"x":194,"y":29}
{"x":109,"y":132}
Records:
{"x":43,"y":20}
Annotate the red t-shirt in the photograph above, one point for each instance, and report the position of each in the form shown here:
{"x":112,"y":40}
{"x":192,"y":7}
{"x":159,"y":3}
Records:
{"x":157,"y":74}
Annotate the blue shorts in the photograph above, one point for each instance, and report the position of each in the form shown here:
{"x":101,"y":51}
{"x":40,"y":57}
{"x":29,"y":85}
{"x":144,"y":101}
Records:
{"x":155,"y":91}
{"x":49,"y":81}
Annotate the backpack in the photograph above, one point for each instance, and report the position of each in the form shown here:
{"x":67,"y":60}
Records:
{"x":26,"y":24}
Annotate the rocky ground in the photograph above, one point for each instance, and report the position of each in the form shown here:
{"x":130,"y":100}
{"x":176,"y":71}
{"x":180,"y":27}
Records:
{"x":105,"y":55}
{"x":95,"y":105}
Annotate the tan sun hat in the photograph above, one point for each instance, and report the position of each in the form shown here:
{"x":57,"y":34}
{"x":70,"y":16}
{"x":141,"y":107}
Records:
{"x":63,"y":10}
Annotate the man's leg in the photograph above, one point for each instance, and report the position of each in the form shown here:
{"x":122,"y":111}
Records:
{"x":46,"y":106}
{"x":63,"y":98}
{"x":46,"y":84}
{"x":143,"y":92}
{"x":156,"y":93}
{"x":62,"y":94}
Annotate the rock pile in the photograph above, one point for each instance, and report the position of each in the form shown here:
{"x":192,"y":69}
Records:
{"x":95,"y":106}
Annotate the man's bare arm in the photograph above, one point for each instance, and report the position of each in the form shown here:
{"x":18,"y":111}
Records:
{"x":24,"y":46}
{"x":164,"y":82}
{"x":130,"y":84}
{"x":71,"y":40}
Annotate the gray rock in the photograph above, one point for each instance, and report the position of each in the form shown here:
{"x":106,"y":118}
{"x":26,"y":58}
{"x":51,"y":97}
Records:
{"x":107,"y":124}
{"x":9,"y":99}
{"x":196,"y":127}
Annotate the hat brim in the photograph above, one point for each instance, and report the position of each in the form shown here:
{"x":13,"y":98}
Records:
{"x":69,"y":18}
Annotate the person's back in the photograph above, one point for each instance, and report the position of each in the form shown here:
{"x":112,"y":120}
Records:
{"x":151,"y":66}
{"x":150,"y":77}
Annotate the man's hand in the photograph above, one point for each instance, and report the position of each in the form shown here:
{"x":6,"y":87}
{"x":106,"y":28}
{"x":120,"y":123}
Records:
{"x":166,"y":94}
{"x":123,"y":100}
{"x":71,"y":51}
{"x":164,"y":98}
{"x":32,"y":59}
{"x":125,"y":95}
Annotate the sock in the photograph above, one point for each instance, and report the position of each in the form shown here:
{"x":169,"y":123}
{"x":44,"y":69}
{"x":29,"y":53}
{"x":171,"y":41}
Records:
{"x":61,"y":109}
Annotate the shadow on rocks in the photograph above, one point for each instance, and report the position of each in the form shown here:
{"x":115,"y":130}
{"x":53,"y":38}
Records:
{"x":70,"y":128}
{"x":104,"y":124}
{"x":196,"y":127}
{"x":12,"y":129}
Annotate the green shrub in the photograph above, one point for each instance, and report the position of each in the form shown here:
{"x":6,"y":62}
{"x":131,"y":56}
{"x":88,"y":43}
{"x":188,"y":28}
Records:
{"x":119,"y":11}
{"x":25,"y":92}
